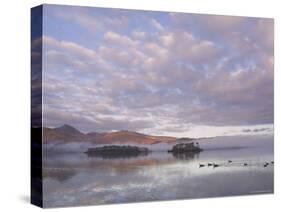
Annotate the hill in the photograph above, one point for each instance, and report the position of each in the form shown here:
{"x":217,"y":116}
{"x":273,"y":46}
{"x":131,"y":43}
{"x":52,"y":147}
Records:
{"x":67,"y":133}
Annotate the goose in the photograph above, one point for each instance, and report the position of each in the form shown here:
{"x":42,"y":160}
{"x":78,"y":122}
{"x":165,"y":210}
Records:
{"x":216,"y":165}
{"x":266,"y":164}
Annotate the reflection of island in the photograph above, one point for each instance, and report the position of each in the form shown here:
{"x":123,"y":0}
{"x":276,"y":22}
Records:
{"x":114,"y":151}
{"x":61,"y":174}
{"x":185,"y":155}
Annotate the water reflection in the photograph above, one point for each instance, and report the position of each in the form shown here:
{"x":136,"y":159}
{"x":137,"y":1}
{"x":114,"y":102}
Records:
{"x":106,"y":155}
{"x":77,"y":179}
{"x":59,"y":174}
{"x":186,"y":155}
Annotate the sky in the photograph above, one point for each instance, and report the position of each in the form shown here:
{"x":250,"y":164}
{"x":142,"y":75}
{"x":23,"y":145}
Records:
{"x":160,"y":73}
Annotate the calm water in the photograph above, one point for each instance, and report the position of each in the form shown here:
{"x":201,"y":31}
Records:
{"x":73,"y":178}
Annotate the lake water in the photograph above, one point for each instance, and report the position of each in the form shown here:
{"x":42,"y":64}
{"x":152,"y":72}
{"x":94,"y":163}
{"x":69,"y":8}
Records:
{"x":73,"y":178}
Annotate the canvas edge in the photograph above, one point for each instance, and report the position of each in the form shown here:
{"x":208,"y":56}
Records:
{"x":36,"y":191}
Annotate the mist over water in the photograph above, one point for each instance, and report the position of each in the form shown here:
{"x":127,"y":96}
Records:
{"x":72,"y":178}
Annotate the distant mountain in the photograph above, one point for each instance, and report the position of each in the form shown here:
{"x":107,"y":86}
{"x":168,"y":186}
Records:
{"x":67,"y":133}
{"x":124,"y":136}
{"x":93,"y":134}
{"x":68,"y":129}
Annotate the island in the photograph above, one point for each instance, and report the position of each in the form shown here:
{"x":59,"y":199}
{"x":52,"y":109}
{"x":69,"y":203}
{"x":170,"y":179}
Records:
{"x":116,"y":151}
{"x":186,"y":148}
{"x":185,"y":151}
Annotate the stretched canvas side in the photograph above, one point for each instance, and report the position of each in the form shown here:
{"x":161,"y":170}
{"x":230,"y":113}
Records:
{"x":36,"y":106}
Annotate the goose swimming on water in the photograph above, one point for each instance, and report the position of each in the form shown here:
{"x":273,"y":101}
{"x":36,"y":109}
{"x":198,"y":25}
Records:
{"x":215,"y":165}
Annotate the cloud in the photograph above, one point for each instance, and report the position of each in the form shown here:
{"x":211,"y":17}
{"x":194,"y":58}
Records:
{"x":138,"y":34}
{"x":256,"y":130}
{"x":70,"y":47}
{"x":119,"y":57}
{"x":117,"y":39}
{"x":156,"y":24}
{"x":168,"y":39}
{"x":183,"y":45}
{"x":90,"y":21}
{"x":221,"y":24}
{"x":194,"y":71}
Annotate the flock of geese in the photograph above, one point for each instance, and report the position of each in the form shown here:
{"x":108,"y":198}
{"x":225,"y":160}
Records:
{"x":215,"y":165}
